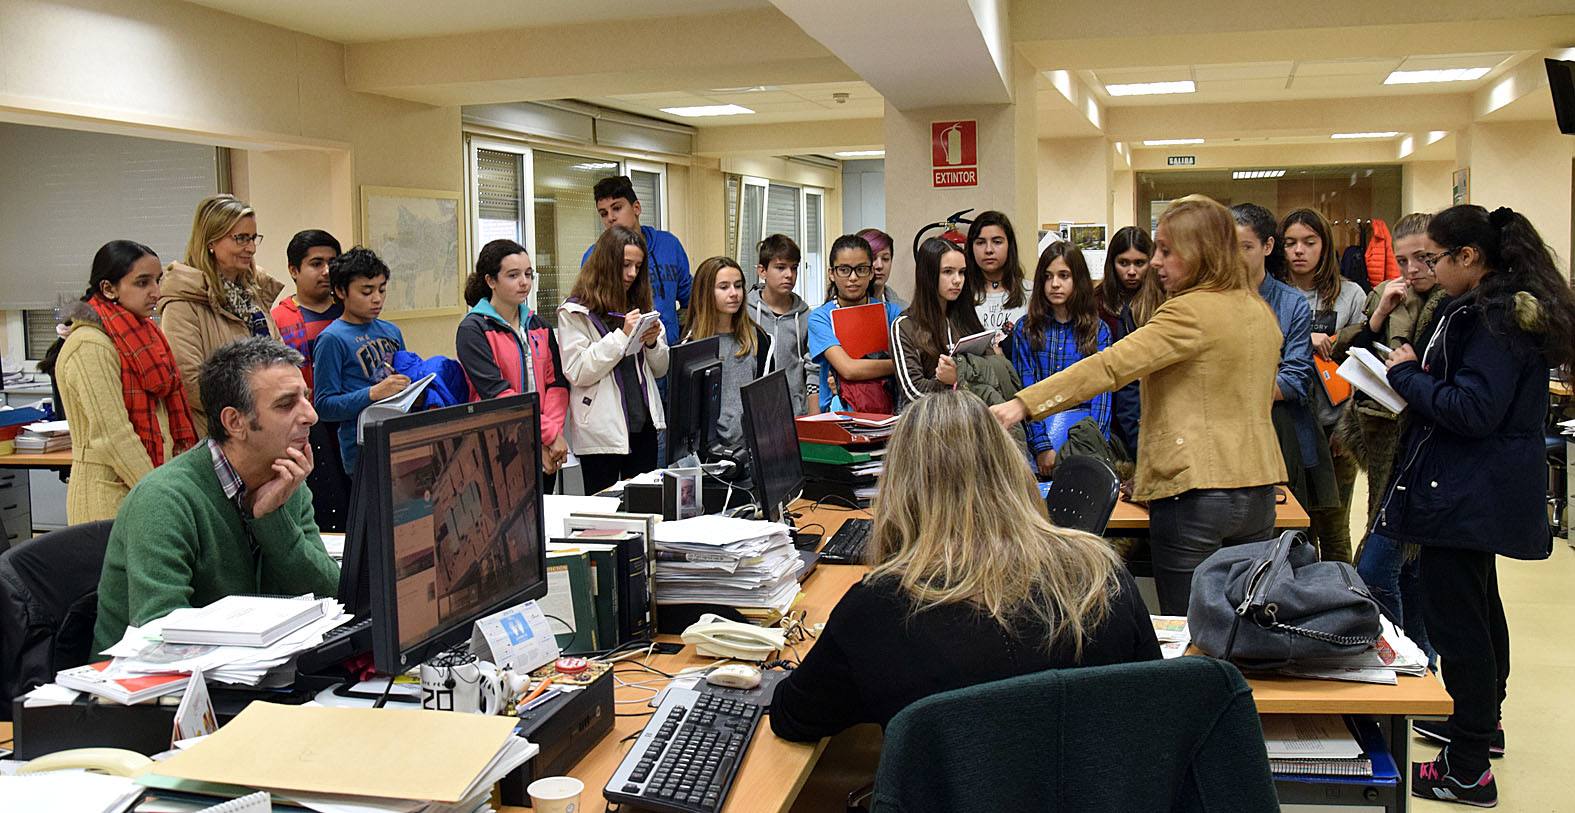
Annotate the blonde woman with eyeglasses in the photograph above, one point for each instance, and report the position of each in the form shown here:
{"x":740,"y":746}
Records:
{"x":970,"y":583}
{"x":218,"y":294}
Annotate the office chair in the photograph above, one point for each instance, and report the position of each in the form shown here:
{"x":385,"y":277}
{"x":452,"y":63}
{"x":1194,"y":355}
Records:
{"x":48,"y":605}
{"x":1083,"y":494}
{"x":1077,"y":739}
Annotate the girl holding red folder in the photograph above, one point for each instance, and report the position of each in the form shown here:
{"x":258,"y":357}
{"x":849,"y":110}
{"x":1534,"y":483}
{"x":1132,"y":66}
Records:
{"x":861,"y":383}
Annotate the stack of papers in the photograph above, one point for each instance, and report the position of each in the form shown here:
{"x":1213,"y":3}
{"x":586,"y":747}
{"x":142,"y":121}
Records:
{"x":44,"y":436}
{"x":409,"y":761}
{"x":1173,"y":635}
{"x":1313,"y":745}
{"x":1368,"y":374}
{"x":241,"y":620}
{"x":144,"y":651}
{"x":1393,"y":655}
{"x":713,"y":559}
{"x":121,"y":687}
{"x":1567,"y":428}
{"x":68,"y":792}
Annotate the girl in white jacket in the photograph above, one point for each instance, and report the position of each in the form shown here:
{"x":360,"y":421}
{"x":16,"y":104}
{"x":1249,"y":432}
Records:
{"x":615,"y":410}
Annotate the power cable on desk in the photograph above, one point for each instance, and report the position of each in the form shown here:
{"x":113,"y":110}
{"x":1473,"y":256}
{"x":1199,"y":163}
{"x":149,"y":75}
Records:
{"x":646,"y":667}
{"x":852,"y":506}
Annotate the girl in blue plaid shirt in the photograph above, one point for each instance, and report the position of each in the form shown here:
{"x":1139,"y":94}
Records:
{"x":1062,"y":327}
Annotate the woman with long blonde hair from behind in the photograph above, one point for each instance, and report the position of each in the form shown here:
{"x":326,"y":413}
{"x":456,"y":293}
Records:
{"x":1208,"y":457}
{"x":965,"y":562}
{"x":218,"y":294}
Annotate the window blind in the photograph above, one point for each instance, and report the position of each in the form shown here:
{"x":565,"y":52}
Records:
{"x":65,"y":193}
{"x":648,"y":188}
{"x":782,"y":211}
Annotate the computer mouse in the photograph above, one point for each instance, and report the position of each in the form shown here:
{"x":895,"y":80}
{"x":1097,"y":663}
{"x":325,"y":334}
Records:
{"x":734,"y":676}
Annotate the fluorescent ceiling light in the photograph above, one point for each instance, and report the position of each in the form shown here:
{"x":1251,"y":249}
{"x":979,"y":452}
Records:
{"x":860,"y":154}
{"x":1171,"y":142}
{"x":1152,"y":88}
{"x":1256,"y":174}
{"x":1444,"y":75}
{"x":1390,"y":134}
{"x":708,"y":110}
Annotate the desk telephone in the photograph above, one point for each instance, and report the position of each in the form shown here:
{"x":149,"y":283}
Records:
{"x":717,"y":637}
{"x":110,"y":761}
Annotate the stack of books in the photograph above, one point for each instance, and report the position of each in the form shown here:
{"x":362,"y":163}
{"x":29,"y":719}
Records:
{"x":746,"y":564}
{"x":124,"y":688}
{"x":238,"y":640}
{"x":1313,"y":745}
{"x":43,"y":437}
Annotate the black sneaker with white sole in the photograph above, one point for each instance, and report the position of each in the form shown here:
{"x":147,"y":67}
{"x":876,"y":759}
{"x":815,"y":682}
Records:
{"x":1438,"y":731}
{"x":1433,"y":780}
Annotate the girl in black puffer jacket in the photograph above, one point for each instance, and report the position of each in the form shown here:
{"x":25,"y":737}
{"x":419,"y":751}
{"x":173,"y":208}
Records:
{"x":1469,"y":481}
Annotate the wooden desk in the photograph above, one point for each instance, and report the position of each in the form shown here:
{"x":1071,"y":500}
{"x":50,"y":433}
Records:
{"x":1287,"y":515}
{"x":47,"y":460}
{"x":1558,"y":388}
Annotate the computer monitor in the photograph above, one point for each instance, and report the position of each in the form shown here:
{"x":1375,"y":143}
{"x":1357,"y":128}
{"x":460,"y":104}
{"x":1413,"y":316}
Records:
{"x":694,"y":395}
{"x":773,"y":442}
{"x":453,"y":524}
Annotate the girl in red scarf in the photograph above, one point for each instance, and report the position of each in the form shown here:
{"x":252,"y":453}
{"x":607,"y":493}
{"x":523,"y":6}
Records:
{"x":119,"y":434}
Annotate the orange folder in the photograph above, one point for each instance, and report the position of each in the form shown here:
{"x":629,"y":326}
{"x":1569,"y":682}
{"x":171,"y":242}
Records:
{"x":1338,"y":388}
{"x":861,"y":329}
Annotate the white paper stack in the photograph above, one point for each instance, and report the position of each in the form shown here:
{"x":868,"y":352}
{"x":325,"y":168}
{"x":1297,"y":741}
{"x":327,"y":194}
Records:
{"x":143,"y":650}
{"x":714,"y":559}
{"x":43,"y":437}
{"x":68,"y":792}
{"x":1394,"y":654}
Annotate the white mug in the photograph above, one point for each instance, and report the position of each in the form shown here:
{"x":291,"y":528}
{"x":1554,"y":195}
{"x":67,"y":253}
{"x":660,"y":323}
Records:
{"x":459,"y":681}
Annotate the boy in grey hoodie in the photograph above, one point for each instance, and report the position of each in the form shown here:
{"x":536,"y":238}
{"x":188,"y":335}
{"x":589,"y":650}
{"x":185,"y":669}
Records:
{"x":784,"y":316}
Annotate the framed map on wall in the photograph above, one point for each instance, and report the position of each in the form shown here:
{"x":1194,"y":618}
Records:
{"x":417,"y":232}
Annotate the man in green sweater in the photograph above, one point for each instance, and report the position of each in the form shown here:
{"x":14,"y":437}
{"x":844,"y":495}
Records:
{"x":230,"y":515}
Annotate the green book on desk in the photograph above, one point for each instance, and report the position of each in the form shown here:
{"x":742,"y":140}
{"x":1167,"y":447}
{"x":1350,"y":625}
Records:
{"x":602,"y":558}
{"x":830,"y":454}
{"x":569,"y":601}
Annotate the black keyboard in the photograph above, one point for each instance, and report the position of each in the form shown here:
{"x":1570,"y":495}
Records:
{"x":339,"y":644}
{"x":846,"y":546}
{"x":685,"y":759}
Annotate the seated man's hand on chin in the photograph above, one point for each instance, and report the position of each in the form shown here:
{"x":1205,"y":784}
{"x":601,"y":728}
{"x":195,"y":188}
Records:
{"x":289,"y":472}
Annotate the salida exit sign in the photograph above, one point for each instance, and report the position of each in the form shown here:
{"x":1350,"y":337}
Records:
{"x":954,"y":153}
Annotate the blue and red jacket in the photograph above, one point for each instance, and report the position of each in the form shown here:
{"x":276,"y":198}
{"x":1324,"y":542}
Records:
{"x":298,"y":328}
{"x":493,"y":356}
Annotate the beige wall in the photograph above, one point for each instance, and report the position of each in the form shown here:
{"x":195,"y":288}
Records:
{"x":1426,"y":186}
{"x":1076,"y":182}
{"x":160,"y":68}
{"x":1527,"y":167}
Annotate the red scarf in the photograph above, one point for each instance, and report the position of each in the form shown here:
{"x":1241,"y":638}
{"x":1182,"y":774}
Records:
{"x":148,"y":375}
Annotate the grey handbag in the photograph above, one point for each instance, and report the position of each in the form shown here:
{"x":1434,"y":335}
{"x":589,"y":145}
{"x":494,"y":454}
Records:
{"x":1267,"y":604}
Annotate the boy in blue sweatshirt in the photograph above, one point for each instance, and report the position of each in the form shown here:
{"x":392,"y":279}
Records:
{"x":665,"y":259}
{"x":353,"y":362}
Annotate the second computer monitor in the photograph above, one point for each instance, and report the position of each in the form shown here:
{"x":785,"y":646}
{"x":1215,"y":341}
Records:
{"x":773,"y":442}
{"x":694,"y":378}
{"x":457,"y":533}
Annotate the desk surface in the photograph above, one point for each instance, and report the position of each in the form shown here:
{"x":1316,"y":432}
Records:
{"x":1129,"y":517}
{"x":1558,"y":388}
{"x":47,"y":460}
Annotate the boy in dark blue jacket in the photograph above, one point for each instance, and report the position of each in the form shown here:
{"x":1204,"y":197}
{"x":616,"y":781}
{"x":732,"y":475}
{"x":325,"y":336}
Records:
{"x":665,"y":259}
{"x":353,"y":362}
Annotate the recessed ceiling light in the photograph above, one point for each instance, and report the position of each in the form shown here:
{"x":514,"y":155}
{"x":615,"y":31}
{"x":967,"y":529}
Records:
{"x":1171,"y":142}
{"x":1152,"y":88}
{"x":861,"y":154}
{"x":708,"y":110}
{"x":1444,"y":75}
{"x":1389,"y":134}
{"x":1257,"y":174}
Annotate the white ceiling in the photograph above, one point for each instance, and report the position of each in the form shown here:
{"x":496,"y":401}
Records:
{"x":1305,"y":79}
{"x":377,"y":20}
{"x":773,"y":104}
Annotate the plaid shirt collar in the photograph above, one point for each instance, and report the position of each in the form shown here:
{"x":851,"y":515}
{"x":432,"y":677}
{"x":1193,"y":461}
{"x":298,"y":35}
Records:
{"x":229,"y":479}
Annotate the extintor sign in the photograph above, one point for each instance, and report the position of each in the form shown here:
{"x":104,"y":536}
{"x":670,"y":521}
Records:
{"x":954,"y":153}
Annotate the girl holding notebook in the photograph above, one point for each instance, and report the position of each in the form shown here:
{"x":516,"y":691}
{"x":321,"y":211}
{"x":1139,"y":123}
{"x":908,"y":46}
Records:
{"x":861,"y":380}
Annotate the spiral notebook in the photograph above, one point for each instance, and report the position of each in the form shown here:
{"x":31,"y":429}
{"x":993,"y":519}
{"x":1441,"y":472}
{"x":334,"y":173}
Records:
{"x":259,"y":802}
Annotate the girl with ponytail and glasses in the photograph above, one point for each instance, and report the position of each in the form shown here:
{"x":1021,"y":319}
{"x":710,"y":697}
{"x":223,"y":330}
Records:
{"x":119,"y":433}
{"x":1469,"y":485}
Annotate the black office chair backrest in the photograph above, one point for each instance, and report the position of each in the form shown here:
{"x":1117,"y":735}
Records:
{"x":1083,"y":494}
{"x":1100,"y":738}
{"x":48,"y":605}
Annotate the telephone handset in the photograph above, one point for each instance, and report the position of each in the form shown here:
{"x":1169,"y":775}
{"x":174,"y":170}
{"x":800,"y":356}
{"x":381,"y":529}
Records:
{"x":111,"y":761}
{"x":716,"y":637}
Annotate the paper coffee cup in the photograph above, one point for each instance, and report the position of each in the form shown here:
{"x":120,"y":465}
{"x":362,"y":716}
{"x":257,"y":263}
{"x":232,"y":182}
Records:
{"x":555,"y":794}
